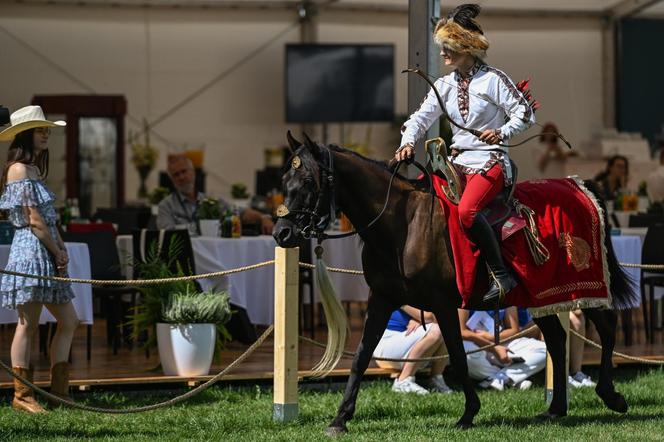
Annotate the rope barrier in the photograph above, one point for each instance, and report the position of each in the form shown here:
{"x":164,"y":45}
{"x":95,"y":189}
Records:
{"x":140,"y":282}
{"x":360,"y":272}
{"x":616,"y":353}
{"x":143,"y":409}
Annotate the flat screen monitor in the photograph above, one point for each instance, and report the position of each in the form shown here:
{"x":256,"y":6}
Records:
{"x":339,"y":83}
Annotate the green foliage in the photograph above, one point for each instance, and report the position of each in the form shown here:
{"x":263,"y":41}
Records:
{"x":233,"y":413}
{"x":197,"y":308}
{"x":209,"y":208}
{"x":158,"y":194}
{"x":156,"y":298}
{"x":239,"y":191}
{"x":643,"y":189}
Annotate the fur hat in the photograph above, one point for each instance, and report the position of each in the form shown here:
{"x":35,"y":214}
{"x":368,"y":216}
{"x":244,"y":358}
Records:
{"x":459,"y":32}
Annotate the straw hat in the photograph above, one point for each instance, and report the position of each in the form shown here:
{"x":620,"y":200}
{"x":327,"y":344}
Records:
{"x":26,"y":118}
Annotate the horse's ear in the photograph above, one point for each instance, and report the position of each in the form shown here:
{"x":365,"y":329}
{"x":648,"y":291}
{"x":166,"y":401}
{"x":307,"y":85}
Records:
{"x":293,"y":144}
{"x":312,"y":146}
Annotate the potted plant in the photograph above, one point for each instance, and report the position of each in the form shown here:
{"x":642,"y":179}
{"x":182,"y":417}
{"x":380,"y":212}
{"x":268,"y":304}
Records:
{"x":155,"y":197}
{"x":187,"y":337}
{"x":240,"y":196}
{"x":209,"y":215}
{"x":178,"y":306}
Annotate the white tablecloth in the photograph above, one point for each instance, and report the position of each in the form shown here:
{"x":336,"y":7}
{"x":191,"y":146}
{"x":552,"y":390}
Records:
{"x":79,"y":267}
{"x":252,"y":290}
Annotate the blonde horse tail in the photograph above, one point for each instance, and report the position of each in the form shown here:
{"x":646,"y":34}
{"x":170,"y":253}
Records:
{"x":337,"y":323}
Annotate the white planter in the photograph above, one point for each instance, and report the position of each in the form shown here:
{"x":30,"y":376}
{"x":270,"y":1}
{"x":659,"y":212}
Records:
{"x":186,"y":349}
{"x":209,"y":227}
{"x":644,"y":203}
{"x":154,"y":209}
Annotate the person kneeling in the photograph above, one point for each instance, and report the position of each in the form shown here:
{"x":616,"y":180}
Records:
{"x":406,"y":338}
{"x":510,"y":364}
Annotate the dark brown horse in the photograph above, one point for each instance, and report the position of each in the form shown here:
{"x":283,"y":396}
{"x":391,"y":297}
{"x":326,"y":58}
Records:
{"x":407,"y":259}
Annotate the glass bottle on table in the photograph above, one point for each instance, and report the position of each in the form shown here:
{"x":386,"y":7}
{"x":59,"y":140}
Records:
{"x":236,"y":223}
{"x":227,"y":225}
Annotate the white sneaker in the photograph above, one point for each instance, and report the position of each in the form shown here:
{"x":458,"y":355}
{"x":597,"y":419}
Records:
{"x":524,"y":385}
{"x":583,"y":380}
{"x":437,"y":384}
{"x":573,"y":382}
{"x":408,"y":385}
{"x":497,"y":384}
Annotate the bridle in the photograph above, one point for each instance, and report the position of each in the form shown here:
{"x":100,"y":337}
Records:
{"x":324,"y":212}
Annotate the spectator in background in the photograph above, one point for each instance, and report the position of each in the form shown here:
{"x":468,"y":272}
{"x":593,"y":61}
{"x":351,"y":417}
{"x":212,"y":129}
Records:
{"x":179,"y":208}
{"x":577,"y":378}
{"x":510,"y":364}
{"x":552,"y":157}
{"x":614,"y":179}
{"x":655,"y":180}
{"x":405,"y":338}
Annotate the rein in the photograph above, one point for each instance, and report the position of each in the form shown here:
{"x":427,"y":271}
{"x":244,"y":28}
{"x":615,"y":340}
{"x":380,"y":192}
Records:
{"x":319,"y":222}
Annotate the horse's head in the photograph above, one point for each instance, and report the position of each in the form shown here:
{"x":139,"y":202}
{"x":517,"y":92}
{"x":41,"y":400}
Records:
{"x":308,"y":200}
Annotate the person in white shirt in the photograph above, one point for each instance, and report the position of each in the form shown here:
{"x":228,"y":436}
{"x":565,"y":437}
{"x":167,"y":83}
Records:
{"x":655,"y":180}
{"x":509,"y":364}
{"x":479,"y":97}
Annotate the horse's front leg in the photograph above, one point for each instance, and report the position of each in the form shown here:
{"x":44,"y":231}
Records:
{"x":378,"y":313}
{"x":448,"y":321}
{"x":605,"y":323}
{"x":555,"y":338}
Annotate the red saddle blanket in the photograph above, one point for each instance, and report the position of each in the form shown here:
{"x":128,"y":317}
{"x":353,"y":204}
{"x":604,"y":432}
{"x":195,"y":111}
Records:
{"x":571,"y":227}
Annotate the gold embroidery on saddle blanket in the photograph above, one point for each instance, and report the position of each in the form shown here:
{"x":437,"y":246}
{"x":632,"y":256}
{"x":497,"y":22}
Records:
{"x":578,"y":250}
{"x":584,"y":285}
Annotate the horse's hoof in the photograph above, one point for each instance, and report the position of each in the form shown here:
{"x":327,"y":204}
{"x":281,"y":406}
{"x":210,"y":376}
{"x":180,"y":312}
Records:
{"x":336,"y":431}
{"x":463,"y":425}
{"x":549,"y":416}
{"x":613,"y":400}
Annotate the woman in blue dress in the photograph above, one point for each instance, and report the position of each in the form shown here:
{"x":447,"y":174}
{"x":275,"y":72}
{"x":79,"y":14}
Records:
{"x":37,"y":249}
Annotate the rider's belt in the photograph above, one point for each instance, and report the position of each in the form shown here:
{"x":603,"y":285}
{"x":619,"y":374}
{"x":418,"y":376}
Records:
{"x":480,"y":150}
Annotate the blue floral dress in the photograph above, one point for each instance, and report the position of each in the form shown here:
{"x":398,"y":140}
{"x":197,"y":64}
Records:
{"x":27,"y":253}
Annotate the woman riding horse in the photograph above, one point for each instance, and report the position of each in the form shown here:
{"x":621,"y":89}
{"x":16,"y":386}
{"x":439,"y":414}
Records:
{"x":487,"y":101}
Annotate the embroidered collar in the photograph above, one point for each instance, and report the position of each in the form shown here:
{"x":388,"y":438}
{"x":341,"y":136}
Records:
{"x":471,"y":73}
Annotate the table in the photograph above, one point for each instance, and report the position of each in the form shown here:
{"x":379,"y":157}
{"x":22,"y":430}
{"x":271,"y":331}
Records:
{"x":79,"y":267}
{"x":252,"y":290}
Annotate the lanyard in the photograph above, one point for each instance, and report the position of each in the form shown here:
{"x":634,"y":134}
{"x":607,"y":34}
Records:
{"x":190,"y":218}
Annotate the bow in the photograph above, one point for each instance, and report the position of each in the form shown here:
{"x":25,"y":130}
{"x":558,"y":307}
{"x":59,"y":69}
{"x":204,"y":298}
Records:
{"x":475,"y":132}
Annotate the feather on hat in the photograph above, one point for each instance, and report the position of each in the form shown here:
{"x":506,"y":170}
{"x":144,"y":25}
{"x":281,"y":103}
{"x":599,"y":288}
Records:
{"x":460,"y":33}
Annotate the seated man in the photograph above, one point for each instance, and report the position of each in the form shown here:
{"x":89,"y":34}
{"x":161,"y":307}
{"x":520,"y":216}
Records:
{"x":495,"y":367}
{"x":179,"y":208}
{"x":405,"y":338}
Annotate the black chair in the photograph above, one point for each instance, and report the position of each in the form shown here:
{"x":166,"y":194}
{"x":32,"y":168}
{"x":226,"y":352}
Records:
{"x":652,"y":253}
{"x":644,"y":220}
{"x":105,"y":264}
{"x":127,"y":218}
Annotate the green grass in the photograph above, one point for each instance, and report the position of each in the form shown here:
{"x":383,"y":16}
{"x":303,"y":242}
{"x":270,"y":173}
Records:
{"x":245,"y":414}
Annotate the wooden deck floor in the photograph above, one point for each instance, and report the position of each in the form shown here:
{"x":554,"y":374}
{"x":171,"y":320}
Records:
{"x":133,"y":367}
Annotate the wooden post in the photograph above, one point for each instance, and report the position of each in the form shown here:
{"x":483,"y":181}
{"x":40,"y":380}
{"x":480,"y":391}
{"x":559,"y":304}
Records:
{"x":564,"y":321}
{"x":286,"y":285}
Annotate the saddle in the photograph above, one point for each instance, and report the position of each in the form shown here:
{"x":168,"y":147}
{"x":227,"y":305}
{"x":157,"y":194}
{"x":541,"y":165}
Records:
{"x":501,"y":212}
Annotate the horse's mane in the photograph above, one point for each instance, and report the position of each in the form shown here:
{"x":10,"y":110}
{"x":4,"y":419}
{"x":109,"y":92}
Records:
{"x":383,"y":165}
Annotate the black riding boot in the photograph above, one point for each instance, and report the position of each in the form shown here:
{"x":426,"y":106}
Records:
{"x":485,"y":238}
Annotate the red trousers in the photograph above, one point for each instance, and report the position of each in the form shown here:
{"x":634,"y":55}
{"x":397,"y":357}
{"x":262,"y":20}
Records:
{"x":480,"y":190}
